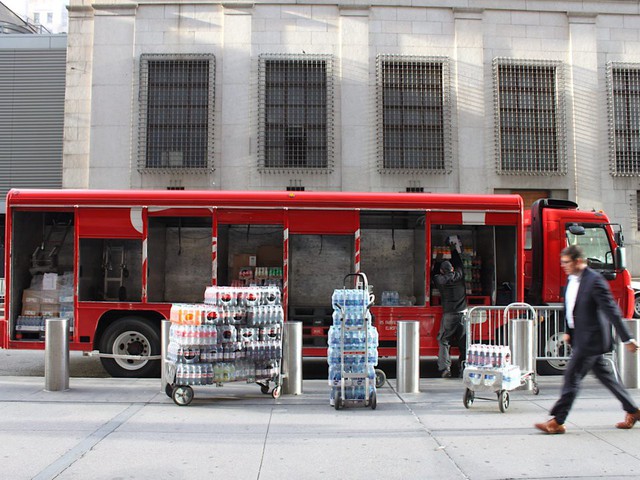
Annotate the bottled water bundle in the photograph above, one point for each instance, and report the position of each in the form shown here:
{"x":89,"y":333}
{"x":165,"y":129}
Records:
{"x":353,"y":348}
{"x":236,"y":335}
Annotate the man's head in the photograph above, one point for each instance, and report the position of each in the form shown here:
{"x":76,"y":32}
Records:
{"x":572,"y":260}
{"x":446,"y":267}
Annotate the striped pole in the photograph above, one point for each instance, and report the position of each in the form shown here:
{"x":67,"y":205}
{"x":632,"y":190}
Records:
{"x":145,"y":256}
{"x":214,"y":250}
{"x":285,"y":268}
{"x":357,"y":250}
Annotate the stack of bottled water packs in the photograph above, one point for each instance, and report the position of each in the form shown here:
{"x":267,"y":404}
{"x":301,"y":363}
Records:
{"x":353,"y":345}
{"x":236,"y":335}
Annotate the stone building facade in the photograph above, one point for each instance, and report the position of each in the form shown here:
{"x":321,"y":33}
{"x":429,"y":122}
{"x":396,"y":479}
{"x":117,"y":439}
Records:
{"x":469,"y":96}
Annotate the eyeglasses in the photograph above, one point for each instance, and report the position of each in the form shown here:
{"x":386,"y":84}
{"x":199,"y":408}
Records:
{"x":566,"y":262}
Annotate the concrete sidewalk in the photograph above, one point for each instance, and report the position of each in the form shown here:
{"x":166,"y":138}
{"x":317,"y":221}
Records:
{"x":104,"y":428}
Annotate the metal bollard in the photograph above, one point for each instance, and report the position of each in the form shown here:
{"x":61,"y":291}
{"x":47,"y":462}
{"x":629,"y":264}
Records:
{"x":408,"y":368}
{"x":292,"y":358}
{"x":522,"y":342}
{"x":56,"y":355}
{"x":629,"y":362}
{"x":165,"y":326}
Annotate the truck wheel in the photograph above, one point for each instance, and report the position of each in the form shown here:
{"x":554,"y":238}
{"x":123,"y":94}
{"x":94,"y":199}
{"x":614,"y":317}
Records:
{"x":636,"y":305}
{"x":131,"y":336}
{"x":554,"y":346}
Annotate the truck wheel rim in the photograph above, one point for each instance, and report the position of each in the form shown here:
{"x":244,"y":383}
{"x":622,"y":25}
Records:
{"x":131,"y":343}
{"x":557,"y":347}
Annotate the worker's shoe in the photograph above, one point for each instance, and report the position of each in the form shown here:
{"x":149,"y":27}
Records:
{"x":551,"y":427}
{"x":446,"y":373}
{"x":630,"y":420}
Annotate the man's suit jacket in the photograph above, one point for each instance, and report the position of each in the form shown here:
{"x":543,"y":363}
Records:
{"x":594,"y":312}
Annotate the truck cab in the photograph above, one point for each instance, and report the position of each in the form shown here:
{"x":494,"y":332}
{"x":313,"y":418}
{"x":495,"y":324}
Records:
{"x":552,"y":225}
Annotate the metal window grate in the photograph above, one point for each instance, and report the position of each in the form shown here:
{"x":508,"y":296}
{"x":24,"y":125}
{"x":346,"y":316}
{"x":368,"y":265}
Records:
{"x":624,"y":118}
{"x":414,"y":120}
{"x":295,"y":133}
{"x":529,"y":115}
{"x":176,"y":113}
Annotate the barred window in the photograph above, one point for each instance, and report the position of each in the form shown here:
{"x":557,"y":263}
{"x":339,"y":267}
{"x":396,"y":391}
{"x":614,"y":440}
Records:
{"x":529,"y":109}
{"x":413,"y":106}
{"x":624,"y":118}
{"x":176,"y":113}
{"x":296,"y":112}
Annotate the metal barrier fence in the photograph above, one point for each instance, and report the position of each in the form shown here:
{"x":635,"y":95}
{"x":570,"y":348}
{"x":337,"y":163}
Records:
{"x":489,"y":324}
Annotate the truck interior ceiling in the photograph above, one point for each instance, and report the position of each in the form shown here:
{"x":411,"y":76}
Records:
{"x":110,"y":269}
{"x":42,"y":243}
{"x":392,"y":245}
{"x":488,"y":254}
{"x":179,"y":258}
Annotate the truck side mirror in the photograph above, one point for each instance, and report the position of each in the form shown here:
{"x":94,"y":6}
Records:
{"x":576,"y":229}
{"x":621,"y":257}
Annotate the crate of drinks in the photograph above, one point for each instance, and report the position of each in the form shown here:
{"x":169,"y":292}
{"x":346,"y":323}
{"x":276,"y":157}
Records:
{"x":234,"y":336}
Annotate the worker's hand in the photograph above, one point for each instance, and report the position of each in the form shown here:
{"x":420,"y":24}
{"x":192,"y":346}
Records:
{"x":632,"y":346}
{"x":567,"y":338}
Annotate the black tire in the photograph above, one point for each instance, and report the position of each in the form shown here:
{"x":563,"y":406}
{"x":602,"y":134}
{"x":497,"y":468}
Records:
{"x":168,"y":389}
{"x":381,"y":378}
{"x":468,"y":397}
{"x":182,"y":395}
{"x":276,"y":392}
{"x":373,"y":400}
{"x":337,"y":401}
{"x":134,"y":336}
{"x":264,"y":388}
{"x":503,"y":400}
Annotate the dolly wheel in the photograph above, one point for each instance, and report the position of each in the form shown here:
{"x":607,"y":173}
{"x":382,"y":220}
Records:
{"x":168,"y":389}
{"x":503,"y":400}
{"x":381,"y":378}
{"x":468,"y":397}
{"x":264,"y":388}
{"x":276,"y":392}
{"x":373,"y":401}
{"x":337,"y":401}
{"x":182,"y":395}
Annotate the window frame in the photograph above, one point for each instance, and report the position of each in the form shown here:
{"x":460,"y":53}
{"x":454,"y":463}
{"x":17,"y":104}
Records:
{"x":559,"y":122}
{"x":143,"y":115}
{"x":447,"y":161}
{"x":263,"y":166}
{"x":614,"y":169}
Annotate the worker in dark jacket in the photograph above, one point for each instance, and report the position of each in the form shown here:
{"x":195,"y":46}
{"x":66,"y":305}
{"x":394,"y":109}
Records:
{"x":453,"y":294}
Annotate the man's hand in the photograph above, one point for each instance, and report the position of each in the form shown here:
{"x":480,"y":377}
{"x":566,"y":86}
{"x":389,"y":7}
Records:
{"x":632,"y":346}
{"x":567,"y":338}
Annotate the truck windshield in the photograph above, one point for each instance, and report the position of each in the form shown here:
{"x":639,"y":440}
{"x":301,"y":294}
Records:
{"x":596,"y":246}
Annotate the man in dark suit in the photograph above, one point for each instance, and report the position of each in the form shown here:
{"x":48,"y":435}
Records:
{"x":589,"y":310}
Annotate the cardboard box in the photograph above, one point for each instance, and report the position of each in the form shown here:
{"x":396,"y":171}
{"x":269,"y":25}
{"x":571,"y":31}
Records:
{"x":244,"y":260}
{"x":270,"y":256}
{"x":50,"y":309}
{"x":31,"y":309}
{"x":240,"y":261}
{"x":30,"y":296}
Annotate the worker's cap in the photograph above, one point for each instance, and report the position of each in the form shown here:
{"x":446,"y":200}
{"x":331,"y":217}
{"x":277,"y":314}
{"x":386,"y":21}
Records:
{"x":446,"y":267}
